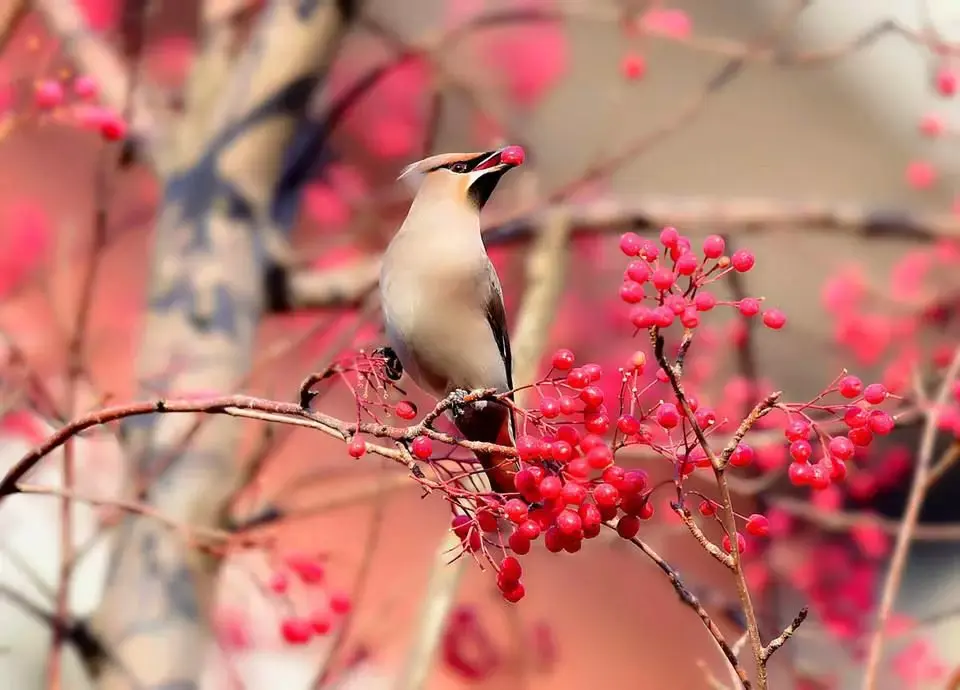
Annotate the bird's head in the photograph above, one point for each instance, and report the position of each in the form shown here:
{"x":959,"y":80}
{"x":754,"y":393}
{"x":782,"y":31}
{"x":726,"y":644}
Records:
{"x":467,"y":177}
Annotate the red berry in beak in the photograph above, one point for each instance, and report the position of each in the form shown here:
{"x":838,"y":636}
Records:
{"x":512,"y":155}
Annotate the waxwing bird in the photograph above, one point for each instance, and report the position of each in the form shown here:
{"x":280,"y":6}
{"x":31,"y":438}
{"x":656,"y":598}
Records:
{"x":441,"y":297}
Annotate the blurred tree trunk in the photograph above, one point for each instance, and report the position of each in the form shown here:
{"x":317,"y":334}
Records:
{"x":206,"y":296}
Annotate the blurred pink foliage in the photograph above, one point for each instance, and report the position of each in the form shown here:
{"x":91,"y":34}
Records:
{"x":24,"y":239}
{"x":101,"y":14}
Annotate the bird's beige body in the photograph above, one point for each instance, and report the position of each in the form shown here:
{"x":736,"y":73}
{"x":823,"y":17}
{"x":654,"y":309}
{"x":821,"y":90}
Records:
{"x":437,"y":281}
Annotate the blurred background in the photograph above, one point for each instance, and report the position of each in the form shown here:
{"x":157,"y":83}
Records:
{"x":193,"y":197}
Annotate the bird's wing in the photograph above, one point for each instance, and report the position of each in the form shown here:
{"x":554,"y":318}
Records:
{"x":497,"y":318}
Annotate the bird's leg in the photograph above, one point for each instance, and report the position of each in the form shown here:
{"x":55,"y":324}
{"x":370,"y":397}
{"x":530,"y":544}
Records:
{"x":391,"y":363}
{"x":458,"y":399}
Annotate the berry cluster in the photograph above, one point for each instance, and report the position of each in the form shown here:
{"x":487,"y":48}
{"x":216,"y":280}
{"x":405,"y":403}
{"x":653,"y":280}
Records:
{"x":309,"y":572}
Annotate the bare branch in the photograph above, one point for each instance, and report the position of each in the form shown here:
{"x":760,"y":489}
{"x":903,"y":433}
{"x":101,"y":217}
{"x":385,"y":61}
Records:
{"x":918,"y":492}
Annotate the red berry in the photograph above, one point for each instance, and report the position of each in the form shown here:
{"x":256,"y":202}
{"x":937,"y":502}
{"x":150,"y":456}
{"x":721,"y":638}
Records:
{"x":855,"y":416}
{"x":801,"y":451}
{"x":758,"y":525}
{"x":841,"y":448}
{"x":320,"y":622}
{"x":578,"y":468}
{"x":774,"y":319}
{"x":422,"y":447}
{"x":875,"y":393}
{"x":486,"y":521}
{"x":512,"y":155}
{"x":713,"y":246}
{"x":946,"y":82}
{"x":742,"y":455}
{"x":638,"y":272}
{"x":687,"y":264}
{"x":597,"y":423}
{"x":296,"y":630}
{"x":931,"y":125}
{"x":628,"y":526}
{"x":704,"y":301}
{"x":405,"y":410}
{"x":561,"y":451}
{"x":628,"y":424}
{"x":861,"y":436}
{"x":668,"y":416}
{"x":357,"y":447}
{"x":85,"y":87}
{"x":563,"y":360}
{"x":515,"y":510}
{"x":797,"y":430}
{"x":630,"y":243}
{"x":48,"y":94}
{"x":606,"y":495}
{"x":529,"y":529}
{"x":528,"y":448}
{"x":340,"y":603}
{"x":741,"y":543}
{"x":518,"y":543}
{"x":308,"y":569}
{"x":569,"y":523}
{"x":592,"y":396}
{"x":669,"y":237}
{"x":278,"y":582}
{"x":461,"y":525}
{"x":113,"y":127}
{"x":510,"y":569}
{"x":850,"y":386}
{"x":578,"y":378}
{"x":749,"y":306}
{"x":553,"y":540}
{"x":742,"y":260}
{"x":568,"y":405}
{"x":631,"y":292}
{"x":690,"y":318}
{"x":515,"y":594}
{"x":663,"y":279}
{"x":573,"y":493}
{"x":550,"y":408}
{"x":707,"y":508}
{"x":921,"y":174}
{"x":550,"y":487}
{"x":880,"y":422}
{"x":633,"y":67}
{"x":594,"y":371}
{"x":800,"y":473}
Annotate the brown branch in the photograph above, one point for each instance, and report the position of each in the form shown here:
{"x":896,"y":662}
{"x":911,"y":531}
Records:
{"x":254,"y":408}
{"x":689,"y":599}
{"x":918,"y":492}
{"x":727,"y":514}
{"x":777,"y":642}
{"x":10,"y":20}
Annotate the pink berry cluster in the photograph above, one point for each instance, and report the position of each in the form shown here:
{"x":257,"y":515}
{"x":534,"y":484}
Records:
{"x":73,"y":101}
{"x":309,"y":572}
{"x":666,"y":283}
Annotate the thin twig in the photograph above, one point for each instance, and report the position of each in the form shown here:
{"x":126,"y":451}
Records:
{"x":689,"y":599}
{"x":918,"y":492}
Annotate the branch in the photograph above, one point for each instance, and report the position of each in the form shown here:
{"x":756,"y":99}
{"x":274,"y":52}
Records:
{"x":918,"y":492}
{"x":617,"y":213}
{"x":689,"y":599}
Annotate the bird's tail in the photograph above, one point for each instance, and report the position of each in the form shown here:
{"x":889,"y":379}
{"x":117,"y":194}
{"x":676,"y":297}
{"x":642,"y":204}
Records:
{"x":492,"y":423}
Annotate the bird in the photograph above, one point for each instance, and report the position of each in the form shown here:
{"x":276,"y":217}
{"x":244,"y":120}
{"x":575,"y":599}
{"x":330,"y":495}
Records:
{"x":442,"y":302}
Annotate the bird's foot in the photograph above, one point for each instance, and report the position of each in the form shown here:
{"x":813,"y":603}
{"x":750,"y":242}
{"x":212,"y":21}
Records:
{"x":458,"y":401}
{"x":391,"y":363}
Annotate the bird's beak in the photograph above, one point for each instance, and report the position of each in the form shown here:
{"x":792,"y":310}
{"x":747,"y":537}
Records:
{"x":486,"y":174}
{"x":506,"y":158}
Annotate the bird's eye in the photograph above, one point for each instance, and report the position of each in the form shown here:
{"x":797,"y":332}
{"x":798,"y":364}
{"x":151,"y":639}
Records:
{"x":459,"y":167}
